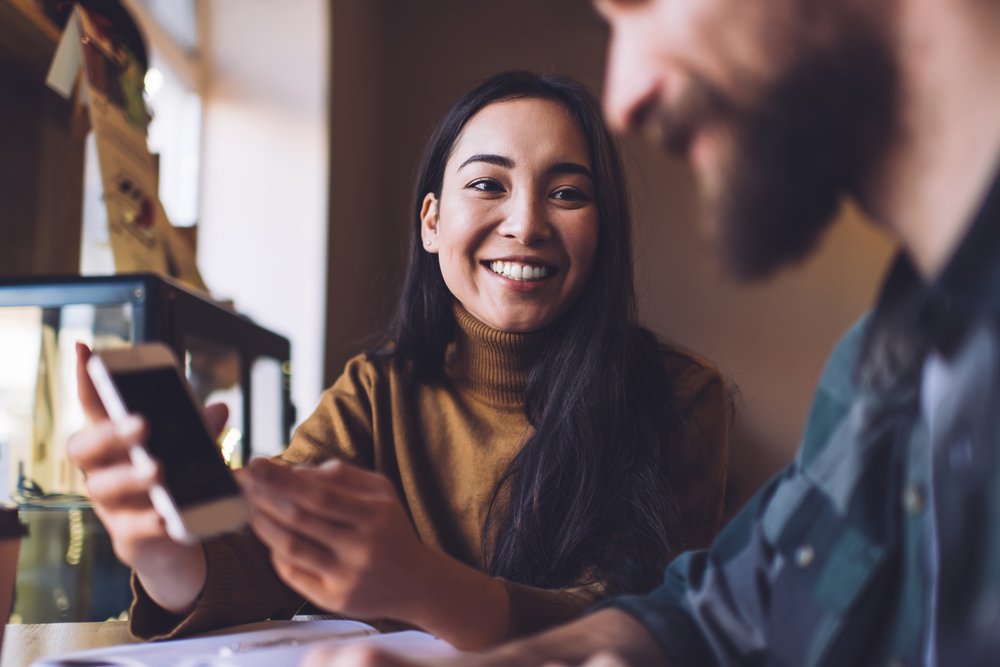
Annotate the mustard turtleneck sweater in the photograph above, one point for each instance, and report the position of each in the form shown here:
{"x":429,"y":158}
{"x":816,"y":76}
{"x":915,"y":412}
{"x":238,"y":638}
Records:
{"x":444,"y":447}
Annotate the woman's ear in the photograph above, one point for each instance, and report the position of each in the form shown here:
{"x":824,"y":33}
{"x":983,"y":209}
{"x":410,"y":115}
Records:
{"x":429,"y":223}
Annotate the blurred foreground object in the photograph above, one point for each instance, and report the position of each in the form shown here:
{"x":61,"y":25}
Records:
{"x":69,"y":573}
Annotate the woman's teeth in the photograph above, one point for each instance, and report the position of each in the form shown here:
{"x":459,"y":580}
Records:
{"x":516,"y":271}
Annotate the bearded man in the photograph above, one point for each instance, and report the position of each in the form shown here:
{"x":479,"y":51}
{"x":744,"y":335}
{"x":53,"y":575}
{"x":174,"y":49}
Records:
{"x":880,"y":544}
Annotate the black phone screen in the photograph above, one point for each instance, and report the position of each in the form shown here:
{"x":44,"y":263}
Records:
{"x":194,"y":469}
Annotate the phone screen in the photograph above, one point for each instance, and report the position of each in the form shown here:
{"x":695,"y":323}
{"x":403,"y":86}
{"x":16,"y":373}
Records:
{"x":194,"y":469}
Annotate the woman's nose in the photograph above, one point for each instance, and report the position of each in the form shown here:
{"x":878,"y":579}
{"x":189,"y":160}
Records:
{"x":528,"y":221}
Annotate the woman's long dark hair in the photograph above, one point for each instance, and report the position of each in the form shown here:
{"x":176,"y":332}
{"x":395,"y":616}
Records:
{"x":587,"y":497}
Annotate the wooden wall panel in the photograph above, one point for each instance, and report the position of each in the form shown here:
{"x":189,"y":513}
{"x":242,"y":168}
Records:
{"x":41,"y":152}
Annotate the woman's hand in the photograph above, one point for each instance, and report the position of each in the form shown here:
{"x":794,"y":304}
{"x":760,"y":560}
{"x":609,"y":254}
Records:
{"x":340,"y":537}
{"x":172,"y":574}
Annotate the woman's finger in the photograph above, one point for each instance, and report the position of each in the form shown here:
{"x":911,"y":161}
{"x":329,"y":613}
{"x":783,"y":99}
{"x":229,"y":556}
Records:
{"x":330,"y":535}
{"x":217,"y":415}
{"x":92,"y":405}
{"x":304,"y":583}
{"x":345,"y":475}
{"x":106,"y":443}
{"x":121,"y":486}
{"x":134,"y":533}
{"x":268,"y":481}
{"x":292,"y":547}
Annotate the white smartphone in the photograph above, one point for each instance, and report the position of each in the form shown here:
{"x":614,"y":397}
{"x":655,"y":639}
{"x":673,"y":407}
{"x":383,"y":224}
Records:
{"x":199,"y":496}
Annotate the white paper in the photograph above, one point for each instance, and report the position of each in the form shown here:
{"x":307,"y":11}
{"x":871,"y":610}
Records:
{"x":68,"y":59}
{"x":281,"y":643}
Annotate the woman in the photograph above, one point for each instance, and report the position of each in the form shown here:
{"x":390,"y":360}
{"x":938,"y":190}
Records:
{"x":515,"y":449}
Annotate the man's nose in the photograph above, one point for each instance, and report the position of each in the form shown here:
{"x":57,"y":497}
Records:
{"x":527,"y":221}
{"x":631,"y":84}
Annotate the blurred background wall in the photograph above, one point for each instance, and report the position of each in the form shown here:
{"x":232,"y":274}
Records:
{"x":263,"y":211}
{"x":397,"y":66}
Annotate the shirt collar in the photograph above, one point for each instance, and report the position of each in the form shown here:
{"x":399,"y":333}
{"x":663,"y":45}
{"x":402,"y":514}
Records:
{"x":913,"y":316}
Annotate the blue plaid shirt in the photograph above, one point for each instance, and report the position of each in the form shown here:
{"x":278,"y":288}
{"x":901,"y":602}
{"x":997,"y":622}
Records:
{"x":880,"y":543}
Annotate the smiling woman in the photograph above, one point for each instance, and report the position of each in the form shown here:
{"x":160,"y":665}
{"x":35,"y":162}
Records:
{"x":514,"y":450}
{"x":516,"y":226}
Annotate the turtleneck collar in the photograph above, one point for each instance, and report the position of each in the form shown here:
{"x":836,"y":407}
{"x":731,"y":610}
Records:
{"x":492,"y":364}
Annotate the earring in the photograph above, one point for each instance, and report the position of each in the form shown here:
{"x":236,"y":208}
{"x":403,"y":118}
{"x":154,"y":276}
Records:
{"x":427,"y":242}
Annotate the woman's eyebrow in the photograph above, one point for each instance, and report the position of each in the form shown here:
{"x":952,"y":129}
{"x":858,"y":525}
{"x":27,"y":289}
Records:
{"x":489,"y":158}
{"x":569,"y":168}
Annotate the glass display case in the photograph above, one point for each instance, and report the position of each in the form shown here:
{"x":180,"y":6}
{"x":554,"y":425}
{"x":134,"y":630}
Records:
{"x":67,"y":571}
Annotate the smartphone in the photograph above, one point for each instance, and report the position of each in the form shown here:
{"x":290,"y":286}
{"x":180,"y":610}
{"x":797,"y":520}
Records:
{"x":199,"y":496}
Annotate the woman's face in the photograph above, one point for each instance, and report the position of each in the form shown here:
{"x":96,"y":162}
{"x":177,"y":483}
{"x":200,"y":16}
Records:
{"x":516,"y":226}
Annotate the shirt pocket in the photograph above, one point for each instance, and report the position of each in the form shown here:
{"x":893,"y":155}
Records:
{"x":822,"y":566}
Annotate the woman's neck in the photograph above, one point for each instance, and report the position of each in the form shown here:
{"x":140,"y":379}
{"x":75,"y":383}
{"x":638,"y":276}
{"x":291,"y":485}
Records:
{"x":492,"y":364}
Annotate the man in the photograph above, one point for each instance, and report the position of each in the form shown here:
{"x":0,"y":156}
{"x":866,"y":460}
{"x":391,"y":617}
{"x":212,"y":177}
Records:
{"x":880,"y":544}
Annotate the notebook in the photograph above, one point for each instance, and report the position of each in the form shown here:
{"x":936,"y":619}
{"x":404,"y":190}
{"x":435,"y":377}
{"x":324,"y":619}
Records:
{"x":255,"y":645}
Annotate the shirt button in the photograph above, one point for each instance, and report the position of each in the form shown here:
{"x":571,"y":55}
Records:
{"x":805,"y":555}
{"x":914,"y":499}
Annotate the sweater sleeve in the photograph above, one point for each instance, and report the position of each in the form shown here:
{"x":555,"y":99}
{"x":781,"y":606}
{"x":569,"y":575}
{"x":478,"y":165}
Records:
{"x":700,"y":459}
{"x":701,"y":456}
{"x":242,"y":586}
{"x":534,"y":610}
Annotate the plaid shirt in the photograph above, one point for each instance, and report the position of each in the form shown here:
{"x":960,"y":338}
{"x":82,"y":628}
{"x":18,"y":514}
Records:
{"x":880,"y":543}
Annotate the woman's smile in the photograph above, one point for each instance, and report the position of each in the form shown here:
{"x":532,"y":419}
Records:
{"x":515,"y":227}
{"x":518,"y":271}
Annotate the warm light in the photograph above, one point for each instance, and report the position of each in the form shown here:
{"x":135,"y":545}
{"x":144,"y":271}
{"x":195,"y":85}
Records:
{"x":153,"y":82}
{"x":75,"y":549}
{"x":229,"y":442}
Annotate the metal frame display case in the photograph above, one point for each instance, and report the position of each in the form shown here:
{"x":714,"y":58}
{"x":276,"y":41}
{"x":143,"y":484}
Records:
{"x":67,"y":571}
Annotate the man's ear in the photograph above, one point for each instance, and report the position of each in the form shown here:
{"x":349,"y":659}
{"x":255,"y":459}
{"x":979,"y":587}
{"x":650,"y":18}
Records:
{"x":429,"y":223}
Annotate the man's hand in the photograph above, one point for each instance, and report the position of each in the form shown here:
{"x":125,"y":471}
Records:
{"x":172,"y":574}
{"x":608,"y":638}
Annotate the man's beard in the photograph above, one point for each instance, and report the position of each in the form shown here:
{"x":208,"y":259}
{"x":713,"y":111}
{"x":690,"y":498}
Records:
{"x":817,"y":134}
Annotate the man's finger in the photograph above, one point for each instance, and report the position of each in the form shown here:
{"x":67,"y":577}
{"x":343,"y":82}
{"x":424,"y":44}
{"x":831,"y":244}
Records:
{"x":106,"y":443}
{"x":355,"y":655}
{"x":605,"y":659}
{"x":92,"y":405}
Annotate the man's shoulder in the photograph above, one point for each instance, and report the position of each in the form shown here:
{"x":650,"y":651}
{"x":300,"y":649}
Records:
{"x":835,"y":392}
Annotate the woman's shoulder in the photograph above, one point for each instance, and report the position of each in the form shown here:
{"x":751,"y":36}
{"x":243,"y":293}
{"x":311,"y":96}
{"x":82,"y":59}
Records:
{"x":365,"y":371}
{"x":691,"y":377}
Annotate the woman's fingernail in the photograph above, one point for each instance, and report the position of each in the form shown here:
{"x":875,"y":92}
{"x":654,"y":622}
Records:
{"x":145,"y":472}
{"x":330,"y":464}
{"x":129,"y":427}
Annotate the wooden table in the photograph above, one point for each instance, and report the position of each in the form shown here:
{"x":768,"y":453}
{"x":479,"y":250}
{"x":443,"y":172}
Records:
{"x":23,"y":644}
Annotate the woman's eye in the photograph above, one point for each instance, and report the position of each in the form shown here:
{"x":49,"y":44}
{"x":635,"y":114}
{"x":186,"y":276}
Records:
{"x":486,"y":185}
{"x":569,"y":194}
